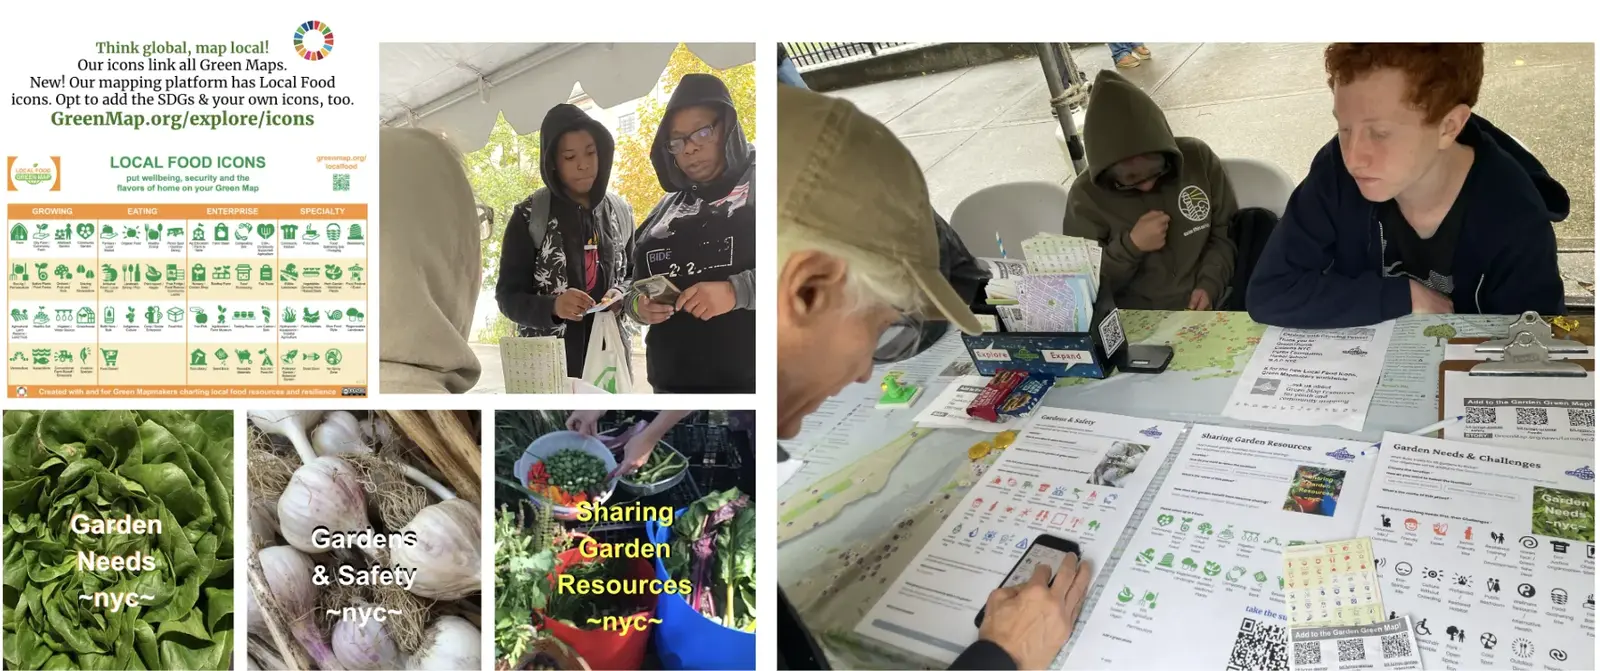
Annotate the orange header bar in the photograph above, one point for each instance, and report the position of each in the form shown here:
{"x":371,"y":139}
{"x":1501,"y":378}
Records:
{"x":185,"y":211}
{"x":241,"y":391}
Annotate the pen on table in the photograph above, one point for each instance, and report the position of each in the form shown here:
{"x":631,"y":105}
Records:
{"x":1443,"y":423}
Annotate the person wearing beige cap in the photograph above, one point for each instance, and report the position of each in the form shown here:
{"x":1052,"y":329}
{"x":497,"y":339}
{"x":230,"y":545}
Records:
{"x":858,"y":262}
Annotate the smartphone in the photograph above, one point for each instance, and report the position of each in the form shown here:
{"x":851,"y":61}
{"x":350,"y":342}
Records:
{"x":1047,"y":550}
{"x":1148,"y":358}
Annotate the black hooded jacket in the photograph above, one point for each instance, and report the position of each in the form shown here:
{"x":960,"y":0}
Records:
{"x":543,"y":249}
{"x":702,"y":233}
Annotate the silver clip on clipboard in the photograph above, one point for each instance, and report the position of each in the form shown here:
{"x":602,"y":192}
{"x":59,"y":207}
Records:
{"x":1532,"y":323}
{"x":1527,"y":356}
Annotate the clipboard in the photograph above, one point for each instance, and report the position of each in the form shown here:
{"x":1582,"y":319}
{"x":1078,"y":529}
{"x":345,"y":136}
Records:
{"x":1525,"y":356}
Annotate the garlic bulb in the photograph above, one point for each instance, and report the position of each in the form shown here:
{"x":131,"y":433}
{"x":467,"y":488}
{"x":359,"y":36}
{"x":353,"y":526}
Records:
{"x":446,"y":553}
{"x":291,"y":424}
{"x":364,"y":646}
{"x":288,"y":574}
{"x":264,"y":521}
{"x":325,"y":492}
{"x":252,"y":610}
{"x":451,"y":644}
{"x":339,"y":433}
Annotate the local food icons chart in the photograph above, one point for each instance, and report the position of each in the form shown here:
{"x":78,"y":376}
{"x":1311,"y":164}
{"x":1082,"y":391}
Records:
{"x":186,"y":295}
{"x":1489,"y":550}
{"x":1008,"y":513}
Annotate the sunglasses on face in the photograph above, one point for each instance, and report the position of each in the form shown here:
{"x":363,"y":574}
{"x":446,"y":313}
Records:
{"x":1133,"y":183}
{"x":698,"y":137}
{"x":900,"y":340}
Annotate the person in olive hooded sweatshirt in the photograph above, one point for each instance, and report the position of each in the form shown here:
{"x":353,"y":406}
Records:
{"x":566,"y":246}
{"x":1159,"y":205}
{"x":701,"y":236}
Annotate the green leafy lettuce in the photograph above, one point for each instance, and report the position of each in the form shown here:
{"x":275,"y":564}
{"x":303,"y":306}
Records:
{"x":172,"y":466}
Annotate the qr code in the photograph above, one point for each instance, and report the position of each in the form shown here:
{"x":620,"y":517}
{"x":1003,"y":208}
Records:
{"x":1576,"y":417}
{"x":1307,"y":652}
{"x":1481,"y":415}
{"x":1397,"y":645}
{"x":1352,"y":650}
{"x":1259,"y":647}
{"x":1533,"y":416}
{"x":341,"y":181}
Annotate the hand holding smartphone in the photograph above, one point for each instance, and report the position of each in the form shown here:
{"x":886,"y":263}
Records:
{"x":1046,"y":550}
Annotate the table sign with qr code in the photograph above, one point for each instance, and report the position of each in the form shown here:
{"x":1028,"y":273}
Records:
{"x":1489,"y":550}
{"x":217,"y":300}
{"x":1391,"y":646}
{"x":1553,"y":414}
{"x":1332,"y":584}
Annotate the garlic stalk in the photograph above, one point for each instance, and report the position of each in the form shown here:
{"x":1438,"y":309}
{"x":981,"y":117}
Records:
{"x":451,"y":644}
{"x":258,"y":624}
{"x":288,"y":575}
{"x":446,"y":553}
{"x":325,"y":492}
{"x":291,"y":424}
{"x":365,"y":645}
{"x":338,"y":433}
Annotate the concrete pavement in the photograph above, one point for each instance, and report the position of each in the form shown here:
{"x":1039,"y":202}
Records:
{"x":991,"y":124}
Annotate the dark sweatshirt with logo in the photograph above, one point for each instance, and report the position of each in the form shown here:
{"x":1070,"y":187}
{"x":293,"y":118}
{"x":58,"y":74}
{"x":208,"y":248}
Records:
{"x":1323,"y":266}
{"x":585,"y":248}
{"x":1123,"y":122}
{"x":702,"y":233}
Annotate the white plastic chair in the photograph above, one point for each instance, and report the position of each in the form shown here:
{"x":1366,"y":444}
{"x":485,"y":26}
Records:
{"x":1258,"y":183}
{"x":1015,"y":211}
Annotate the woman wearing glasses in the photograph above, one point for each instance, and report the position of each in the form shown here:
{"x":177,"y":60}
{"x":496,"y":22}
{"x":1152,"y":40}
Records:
{"x":1159,"y":205}
{"x":701,"y":238}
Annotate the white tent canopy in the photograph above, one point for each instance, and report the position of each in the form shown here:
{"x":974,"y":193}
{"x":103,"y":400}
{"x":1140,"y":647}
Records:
{"x":459,"y":89}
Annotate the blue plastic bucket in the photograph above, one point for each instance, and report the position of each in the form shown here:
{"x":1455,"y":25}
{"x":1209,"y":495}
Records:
{"x":686,"y":639}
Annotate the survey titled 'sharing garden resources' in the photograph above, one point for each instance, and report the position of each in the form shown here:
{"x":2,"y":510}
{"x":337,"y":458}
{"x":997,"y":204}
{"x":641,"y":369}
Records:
{"x":186,"y":215}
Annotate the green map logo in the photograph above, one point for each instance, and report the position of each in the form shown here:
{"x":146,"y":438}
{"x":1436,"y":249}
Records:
{"x":33,"y":173}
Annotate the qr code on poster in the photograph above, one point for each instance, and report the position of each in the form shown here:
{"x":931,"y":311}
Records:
{"x":1533,"y":416}
{"x":1307,"y":652}
{"x":1259,"y":647}
{"x":1352,"y":650}
{"x":1481,"y":415}
{"x":1576,"y":417}
{"x":341,"y":181}
{"x":1397,"y":645}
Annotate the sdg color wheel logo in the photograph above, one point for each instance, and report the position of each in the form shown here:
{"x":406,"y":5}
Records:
{"x":313,"y":40}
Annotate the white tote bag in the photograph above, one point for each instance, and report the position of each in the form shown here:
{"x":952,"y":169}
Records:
{"x":606,"y":364}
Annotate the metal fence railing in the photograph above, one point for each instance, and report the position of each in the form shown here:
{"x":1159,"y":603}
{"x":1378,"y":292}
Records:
{"x":814,"y":54}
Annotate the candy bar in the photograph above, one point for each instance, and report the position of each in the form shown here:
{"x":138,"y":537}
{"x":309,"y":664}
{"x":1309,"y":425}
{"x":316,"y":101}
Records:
{"x":1027,"y":395}
{"x":986,"y":405}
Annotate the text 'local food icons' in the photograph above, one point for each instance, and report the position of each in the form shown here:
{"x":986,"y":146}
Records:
{"x":364,"y":537}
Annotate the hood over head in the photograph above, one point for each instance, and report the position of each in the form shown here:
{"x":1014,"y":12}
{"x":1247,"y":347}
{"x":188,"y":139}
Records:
{"x":559,"y":121}
{"x":1122,"y":122}
{"x":430,"y":234}
{"x":701,"y":89}
{"x":1547,"y":192}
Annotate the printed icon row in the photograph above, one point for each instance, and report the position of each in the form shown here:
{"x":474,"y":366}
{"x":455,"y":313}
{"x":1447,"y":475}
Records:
{"x":221,"y":232}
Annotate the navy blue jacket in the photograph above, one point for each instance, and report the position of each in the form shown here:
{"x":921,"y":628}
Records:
{"x":1323,"y":268}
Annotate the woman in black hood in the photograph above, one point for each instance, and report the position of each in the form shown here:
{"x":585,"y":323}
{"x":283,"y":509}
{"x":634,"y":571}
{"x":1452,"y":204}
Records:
{"x":701,"y":236}
{"x":566,"y":246}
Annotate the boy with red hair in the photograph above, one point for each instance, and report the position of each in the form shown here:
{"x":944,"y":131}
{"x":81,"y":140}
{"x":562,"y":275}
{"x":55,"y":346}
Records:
{"x":1416,"y":206}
